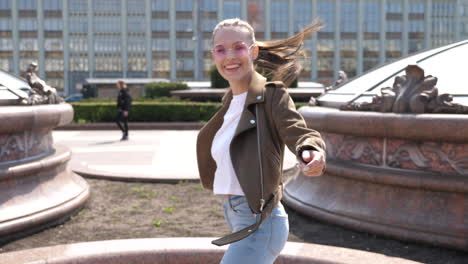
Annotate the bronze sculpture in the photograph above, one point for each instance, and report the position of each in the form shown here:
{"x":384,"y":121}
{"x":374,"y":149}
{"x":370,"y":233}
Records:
{"x":41,"y":92}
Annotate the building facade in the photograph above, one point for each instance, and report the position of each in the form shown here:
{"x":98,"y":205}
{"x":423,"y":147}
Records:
{"x":77,"y":39}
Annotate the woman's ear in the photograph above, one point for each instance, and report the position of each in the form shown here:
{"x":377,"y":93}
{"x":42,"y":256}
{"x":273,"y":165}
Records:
{"x":255,"y":51}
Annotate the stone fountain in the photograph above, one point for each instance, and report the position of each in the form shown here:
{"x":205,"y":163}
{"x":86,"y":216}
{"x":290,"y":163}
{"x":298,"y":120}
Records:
{"x":397,"y":150}
{"x":36,"y":187}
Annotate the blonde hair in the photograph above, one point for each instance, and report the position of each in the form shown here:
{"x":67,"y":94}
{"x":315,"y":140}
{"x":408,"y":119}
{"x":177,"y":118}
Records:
{"x":121,"y":84}
{"x":278,"y":60}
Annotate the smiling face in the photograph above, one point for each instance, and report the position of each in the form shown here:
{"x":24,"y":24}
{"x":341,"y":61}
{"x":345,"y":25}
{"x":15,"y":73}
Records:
{"x":234,"y":53}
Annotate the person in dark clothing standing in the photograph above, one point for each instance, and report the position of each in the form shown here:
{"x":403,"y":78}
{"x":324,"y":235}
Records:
{"x":124,"y":101}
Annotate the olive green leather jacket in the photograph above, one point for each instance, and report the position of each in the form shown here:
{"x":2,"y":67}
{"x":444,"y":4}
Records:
{"x":278,"y":124}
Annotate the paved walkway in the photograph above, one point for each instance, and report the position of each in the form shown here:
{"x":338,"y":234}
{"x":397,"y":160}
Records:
{"x":149,"y":155}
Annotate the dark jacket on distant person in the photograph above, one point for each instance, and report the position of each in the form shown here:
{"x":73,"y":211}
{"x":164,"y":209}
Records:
{"x":124,"y":100}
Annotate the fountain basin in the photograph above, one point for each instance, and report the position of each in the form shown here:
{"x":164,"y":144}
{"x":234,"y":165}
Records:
{"x":400,"y":175}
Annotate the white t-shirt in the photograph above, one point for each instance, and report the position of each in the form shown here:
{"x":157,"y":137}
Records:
{"x":225,"y":180}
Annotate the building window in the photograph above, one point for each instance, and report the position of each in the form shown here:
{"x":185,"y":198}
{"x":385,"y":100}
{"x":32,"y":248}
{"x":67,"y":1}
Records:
{"x":209,"y":5}
{"x":184,"y":44}
{"x":136,"y":24}
{"x":109,"y":24}
{"x":27,"y":24}
{"x":137,"y":64}
{"x":28,"y":45}
{"x":326,"y":11}
{"x":137,"y":45}
{"x":184,"y":25}
{"x":160,"y":5}
{"x":5,"y":24}
{"x":54,"y":5}
{"x":348,"y":19}
{"x":302,"y":14}
{"x":136,"y":6}
{"x":6,"y":44}
{"x":372,"y":16}
{"x":231,"y":9}
{"x":53,"y":44}
{"x":79,"y":64}
{"x":78,"y":6}
{"x":78,"y":24}
{"x":107,"y":6}
{"x":78,"y":44}
{"x":107,"y":44}
{"x":184,"y":64}
{"x":279,"y":16}
{"x":53,"y":24}
{"x":27,"y":4}
{"x":161,"y":65}
{"x":5,"y":4}
{"x":54,"y":65}
{"x":160,"y":25}
{"x":160,"y":45}
{"x":184,"y":5}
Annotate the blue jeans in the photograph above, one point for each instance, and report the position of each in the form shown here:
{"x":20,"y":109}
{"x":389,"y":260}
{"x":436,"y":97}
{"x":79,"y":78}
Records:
{"x":265,"y":244}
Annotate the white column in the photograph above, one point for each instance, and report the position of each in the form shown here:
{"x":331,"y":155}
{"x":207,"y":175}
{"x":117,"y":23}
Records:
{"x":15,"y":35}
{"x":428,"y":24}
{"x":314,"y":44}
{"x":405,"y":27}
{"x":196,"y":38}
{"x":457,"y":20}
{"x":267,"y":19}
{"x":124,"y":36}
{"x":291,"y":18}
{"x":40,"y":38}
{"x":66,"y":49}
{"x":360,"y":37}
{"x":382,"y":33}
{"x":220,"y":10}
{"x":90,"y":39}
{"x":337,"y":59}
{"x":148,"y":38}
{"x":172,"y":39}
{"x":244,"y":10}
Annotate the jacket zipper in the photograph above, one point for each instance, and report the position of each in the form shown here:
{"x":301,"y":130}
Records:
{"x":262,"y":201}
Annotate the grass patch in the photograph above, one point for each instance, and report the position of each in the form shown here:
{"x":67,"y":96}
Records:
{"x":169,"y":210}
{"x":141,"y":192}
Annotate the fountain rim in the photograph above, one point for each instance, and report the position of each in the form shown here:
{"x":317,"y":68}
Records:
{"x":419,"y":127}
{"x":36,"y":117}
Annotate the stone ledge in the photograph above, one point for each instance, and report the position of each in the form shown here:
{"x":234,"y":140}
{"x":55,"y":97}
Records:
{"x":183,"y":250}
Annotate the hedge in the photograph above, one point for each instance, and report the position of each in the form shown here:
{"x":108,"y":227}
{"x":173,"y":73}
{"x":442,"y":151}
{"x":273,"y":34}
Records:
{"x":160,"y":89}
{"x":147,"y":112}
{"x":217,"y":81}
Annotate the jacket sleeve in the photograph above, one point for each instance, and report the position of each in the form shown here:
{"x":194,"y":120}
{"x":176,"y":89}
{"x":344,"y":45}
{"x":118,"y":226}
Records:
{"x":127,"y":102}
{"x":291,"y":126}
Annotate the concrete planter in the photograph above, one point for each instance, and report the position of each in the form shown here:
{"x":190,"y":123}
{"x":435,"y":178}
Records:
{"x":36,"y":187}
{"x":400,"y":175}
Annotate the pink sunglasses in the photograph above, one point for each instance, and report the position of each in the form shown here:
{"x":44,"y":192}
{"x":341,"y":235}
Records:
{"x":238,"y":50}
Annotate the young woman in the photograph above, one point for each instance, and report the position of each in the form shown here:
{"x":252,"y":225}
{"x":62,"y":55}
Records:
{"x":240,"y":150}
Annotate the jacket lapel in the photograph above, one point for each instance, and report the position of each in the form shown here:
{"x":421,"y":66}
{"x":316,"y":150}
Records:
{"x":255,"y":95}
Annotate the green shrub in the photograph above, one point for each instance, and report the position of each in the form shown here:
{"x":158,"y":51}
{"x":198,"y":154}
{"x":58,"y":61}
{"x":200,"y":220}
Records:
{"x":160,"y":89}
{"x":217,"y":81}
{"x":147,"y":111}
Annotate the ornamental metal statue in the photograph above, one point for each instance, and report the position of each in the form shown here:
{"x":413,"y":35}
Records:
{"x":41,"y":92}
{"x":411,"y":93}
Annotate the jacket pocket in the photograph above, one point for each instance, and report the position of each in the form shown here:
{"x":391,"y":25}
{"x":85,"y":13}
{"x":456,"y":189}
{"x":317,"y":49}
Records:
{"x":240,"y":206}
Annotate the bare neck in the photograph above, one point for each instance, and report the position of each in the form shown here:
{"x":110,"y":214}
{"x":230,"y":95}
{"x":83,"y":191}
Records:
{"x":240,"y":86}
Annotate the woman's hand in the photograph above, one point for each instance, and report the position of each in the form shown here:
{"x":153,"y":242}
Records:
{"x":313,"y":163}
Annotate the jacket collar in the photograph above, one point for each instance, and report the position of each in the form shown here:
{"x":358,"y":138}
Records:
{"x":256,"y":92}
